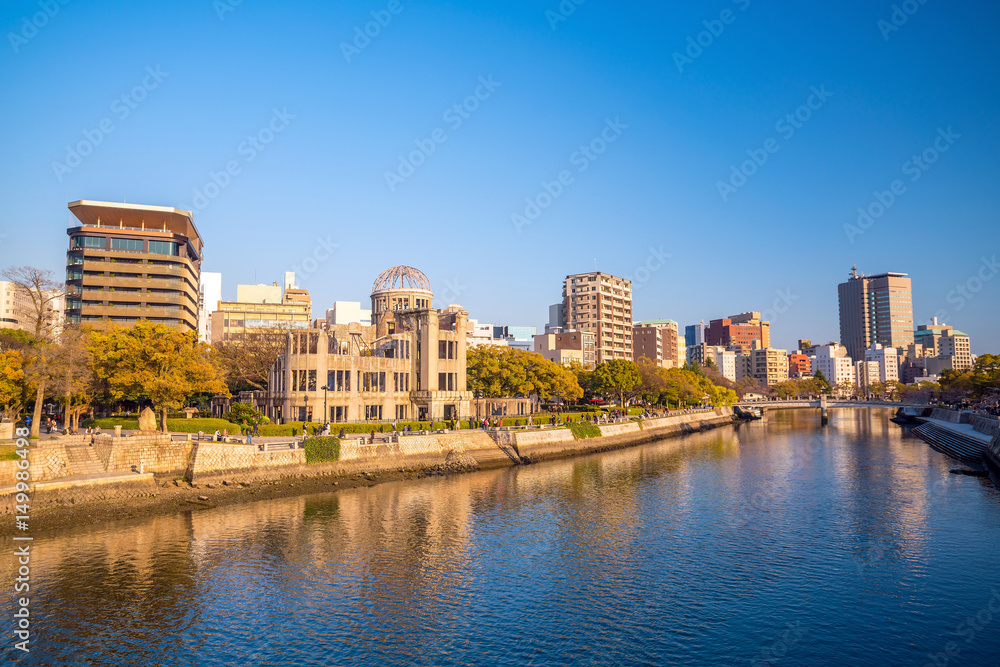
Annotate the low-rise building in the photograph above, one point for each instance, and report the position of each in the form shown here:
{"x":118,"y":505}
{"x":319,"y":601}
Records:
{"x":567,"y":347}
{"x":348,"y":312}
{"x":887,"y":359}
{"x":261,"y":309}
{"x":799,"y":365}
{"x":409,"y":364}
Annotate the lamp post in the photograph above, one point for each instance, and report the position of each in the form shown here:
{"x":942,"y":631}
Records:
{"x":326,"y":414}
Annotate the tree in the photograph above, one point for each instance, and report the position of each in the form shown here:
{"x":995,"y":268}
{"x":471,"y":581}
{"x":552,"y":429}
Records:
{"x":13,"y":383}
{"x":244,"y":414}
{"x":70,"y":375}
{"x":825,"y":385}
{"x":496,"y":372}
{"x":40,"y":287}
{"x":156,"y":362}
{"x":618,"y":376}
{"x":248,"y":361}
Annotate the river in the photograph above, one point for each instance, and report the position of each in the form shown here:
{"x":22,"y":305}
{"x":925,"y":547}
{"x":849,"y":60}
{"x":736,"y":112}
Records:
{"x":775,"y":542}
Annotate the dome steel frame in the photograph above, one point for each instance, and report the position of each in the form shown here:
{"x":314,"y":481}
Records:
{"x":401,"y":277}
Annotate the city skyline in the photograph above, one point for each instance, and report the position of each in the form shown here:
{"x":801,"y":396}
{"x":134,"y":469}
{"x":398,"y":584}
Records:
{"x":295,"y":141}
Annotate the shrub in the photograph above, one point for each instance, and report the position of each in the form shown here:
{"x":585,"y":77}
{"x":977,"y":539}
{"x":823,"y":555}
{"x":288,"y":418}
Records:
{"x":583,"y":430}
{"x":208,"y":425}
{"x":322,"y":450}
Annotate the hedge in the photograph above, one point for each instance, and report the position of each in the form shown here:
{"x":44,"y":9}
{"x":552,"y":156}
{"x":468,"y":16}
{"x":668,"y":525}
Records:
{"x":206,"y":425}
{"x":583,"y":430}
{"x":322,"y":450}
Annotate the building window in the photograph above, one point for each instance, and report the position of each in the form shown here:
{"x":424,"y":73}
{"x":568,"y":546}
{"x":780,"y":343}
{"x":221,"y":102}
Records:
{"x":88,"y":242}
{"x":373,"y":412}
{"x":442,"y":349}
{"x":163,"y":248}
{"x":126,"y":244}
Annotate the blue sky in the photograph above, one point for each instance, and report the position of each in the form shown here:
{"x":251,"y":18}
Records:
{"x":200,"y":78}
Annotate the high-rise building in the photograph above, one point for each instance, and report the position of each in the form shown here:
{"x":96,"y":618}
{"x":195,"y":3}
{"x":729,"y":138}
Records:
{"x":602,"y":304}
{"x":875,"y":309}
{"x":128,"y":262}
{"x":694,"y":334}
{"x":660,"y":342}
{"x":209,"y":296}
{"x":739,"y":332}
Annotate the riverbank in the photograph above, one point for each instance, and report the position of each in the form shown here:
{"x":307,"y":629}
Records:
{"x":218,"y":474}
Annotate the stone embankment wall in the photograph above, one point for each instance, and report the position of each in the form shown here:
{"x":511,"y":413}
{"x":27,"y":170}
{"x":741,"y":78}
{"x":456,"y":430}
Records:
{"x":53,"y":482}
{"x":953,"y":416}
{"x":986,"y":425}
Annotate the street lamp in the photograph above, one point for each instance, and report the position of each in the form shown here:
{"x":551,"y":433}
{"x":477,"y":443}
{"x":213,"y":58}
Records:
{"x":326,"y":414}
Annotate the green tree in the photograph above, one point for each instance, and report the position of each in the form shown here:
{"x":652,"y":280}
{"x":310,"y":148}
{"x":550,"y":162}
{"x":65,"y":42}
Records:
{"x":825,"y":385}
{"x":156,"y":362}
{"x":618,"y":376}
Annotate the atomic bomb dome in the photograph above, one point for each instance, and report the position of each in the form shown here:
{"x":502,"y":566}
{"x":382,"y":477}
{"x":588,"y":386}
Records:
{"x":405,"y":278}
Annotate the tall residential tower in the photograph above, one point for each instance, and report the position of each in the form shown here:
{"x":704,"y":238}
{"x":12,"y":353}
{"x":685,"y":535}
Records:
{"x":601,"y":303}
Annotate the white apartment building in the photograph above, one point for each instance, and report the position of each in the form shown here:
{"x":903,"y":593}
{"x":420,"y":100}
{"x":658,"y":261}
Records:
{"x":832,"y":361}
{"x":887,"y":359}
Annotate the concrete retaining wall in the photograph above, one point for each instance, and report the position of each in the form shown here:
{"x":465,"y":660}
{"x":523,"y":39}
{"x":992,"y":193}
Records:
{"x":953,"y":416}
{"x":221,"y":460}
{"x":72,"y":492}
{"x":985,"y":425}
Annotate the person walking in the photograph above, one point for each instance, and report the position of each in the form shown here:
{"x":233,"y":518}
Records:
{"x":249,"y":436}
{"x":256,"y":429}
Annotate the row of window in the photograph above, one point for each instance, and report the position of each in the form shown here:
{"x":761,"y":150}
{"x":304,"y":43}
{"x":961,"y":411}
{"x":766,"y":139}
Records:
{"x":136,"y":245}
{"x":368,"y":381}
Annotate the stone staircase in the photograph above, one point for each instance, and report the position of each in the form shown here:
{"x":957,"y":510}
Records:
{"x":83,"y":461}
{"x":955,"y":445}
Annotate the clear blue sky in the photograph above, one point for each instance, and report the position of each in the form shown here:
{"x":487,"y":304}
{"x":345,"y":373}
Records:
{"x":323,"y":175}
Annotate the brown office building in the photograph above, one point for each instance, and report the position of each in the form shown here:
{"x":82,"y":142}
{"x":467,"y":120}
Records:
{"x":128,"y":262}
{"x":875,"y":309}
{"x":739,"y":332}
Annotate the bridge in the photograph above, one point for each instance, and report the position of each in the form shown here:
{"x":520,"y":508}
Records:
{"x":782,"y":404}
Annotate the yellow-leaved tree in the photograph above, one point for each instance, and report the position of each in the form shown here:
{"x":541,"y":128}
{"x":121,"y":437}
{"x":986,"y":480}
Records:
{"x":155,"y":362}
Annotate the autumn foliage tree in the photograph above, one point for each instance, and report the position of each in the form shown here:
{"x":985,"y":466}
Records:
{"x":619,"y":377}
{"x":155,"y":362}
{"x":496,"y":372}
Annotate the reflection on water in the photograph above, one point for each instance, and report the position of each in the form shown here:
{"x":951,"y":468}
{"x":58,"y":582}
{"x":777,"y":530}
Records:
{"x":845,"y":544}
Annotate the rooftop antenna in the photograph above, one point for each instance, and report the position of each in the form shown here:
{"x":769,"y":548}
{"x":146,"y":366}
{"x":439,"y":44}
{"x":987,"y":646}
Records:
{"x":595,"y":264}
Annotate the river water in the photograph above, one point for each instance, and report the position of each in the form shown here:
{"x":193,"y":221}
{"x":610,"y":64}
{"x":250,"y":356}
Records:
{"x":775,"y":542}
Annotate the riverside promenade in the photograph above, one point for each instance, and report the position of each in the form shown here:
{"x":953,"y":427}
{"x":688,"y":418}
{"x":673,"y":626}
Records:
{"x":970,"y":437}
